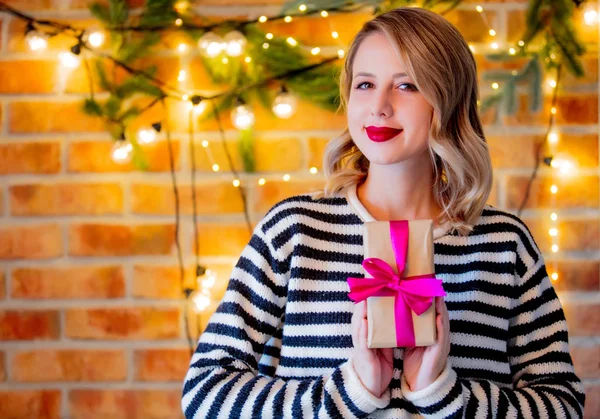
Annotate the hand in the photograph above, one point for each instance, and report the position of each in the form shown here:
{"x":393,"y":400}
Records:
{"x":423,"y":365}
{"x":375,"y":367}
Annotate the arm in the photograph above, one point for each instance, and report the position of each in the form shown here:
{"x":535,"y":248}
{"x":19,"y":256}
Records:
{"x":544,"y":382}
{"x":223,"y":376}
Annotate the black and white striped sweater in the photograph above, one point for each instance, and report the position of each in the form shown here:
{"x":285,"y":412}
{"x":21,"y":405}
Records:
{"x":280,"y":341}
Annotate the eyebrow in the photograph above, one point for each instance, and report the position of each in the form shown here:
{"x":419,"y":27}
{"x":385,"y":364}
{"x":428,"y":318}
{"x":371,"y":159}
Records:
{"x":395,"y":76}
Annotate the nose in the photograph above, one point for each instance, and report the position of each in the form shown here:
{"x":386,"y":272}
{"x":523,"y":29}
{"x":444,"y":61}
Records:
{"x":382,"y":105}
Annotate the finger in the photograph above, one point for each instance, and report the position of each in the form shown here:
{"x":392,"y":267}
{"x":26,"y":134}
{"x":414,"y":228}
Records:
{"x":357,"y":316}
{"x":362,"y":334}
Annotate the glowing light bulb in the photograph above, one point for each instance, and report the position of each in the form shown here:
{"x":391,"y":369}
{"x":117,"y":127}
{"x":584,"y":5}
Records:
{"x":178,"y":22}
{"x":335,"y":35}
{"x":182,"y":48}
{"x":236,"y":183}
{"x":262,"y":181}
{"x":94,"y":37}
{"x":341,"y":53}
{"x":69,"y":60}
{"x":472,"y":48}
{"x":36,"y":41}
{"x":554,"y":248}
{"x":313,"y":170}
{"x":284,"y":105}
{"x":553,"y":232}
{"x":521,"y":43}
{"x":554,"y":276}
{"x":211,"y":44}
{"x":182,"y":76}
{"x":479,"y":9}
{"x":553,"y":138}
{"x":287,"y":19}
{"x":553,"y":216}
{"x":564,"y":164}
{"x":512,"y":51}
{"x":315,"y":51}
{"x":302,"y":8}
{"x":215,"y":167}
{"x":224,"y":60}
{"x":201,"y":300}
{"x":552,"y":83}
{"x":590,"y":15}
{"x":494,"y":45}
{"x":553,"y":189}
{"x":122,"y":152}
{"x":204,"y":143}
{"x":553,"y":111}
{"x":324,"y":13}
{"x":242,"y":117}
{"x":262,"y":19}
{"x":292,"y":41}
{"x":495,"y":86}
{"x":286,"y":177}
{"x":492,"y":32}
{"x":269,"y":35}
{"x":236,"y":42}
{"x":266,"y":45}
{"x":146,"y":136}
{"x":248,"y":59}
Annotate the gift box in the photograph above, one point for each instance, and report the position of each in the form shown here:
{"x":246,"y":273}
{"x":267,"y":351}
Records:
{"x":401,"y":286}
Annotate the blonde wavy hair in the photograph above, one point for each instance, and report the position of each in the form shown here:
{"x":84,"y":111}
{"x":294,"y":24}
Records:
{"x":439,"y":61}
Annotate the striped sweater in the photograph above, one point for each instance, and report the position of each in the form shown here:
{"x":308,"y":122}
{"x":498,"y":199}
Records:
{"x":279,"y":344}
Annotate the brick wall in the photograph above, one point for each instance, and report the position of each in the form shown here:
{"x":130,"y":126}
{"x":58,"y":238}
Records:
{"x":91,"y":324}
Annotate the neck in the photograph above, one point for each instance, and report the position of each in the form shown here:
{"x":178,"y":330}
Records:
{"x":399,"y":192}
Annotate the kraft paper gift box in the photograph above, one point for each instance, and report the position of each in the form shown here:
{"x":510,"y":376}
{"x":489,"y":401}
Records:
{"x":402,"y":285}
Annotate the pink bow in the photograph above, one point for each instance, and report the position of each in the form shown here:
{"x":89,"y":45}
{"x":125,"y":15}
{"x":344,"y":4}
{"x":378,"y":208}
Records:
{"x":411,"y":294}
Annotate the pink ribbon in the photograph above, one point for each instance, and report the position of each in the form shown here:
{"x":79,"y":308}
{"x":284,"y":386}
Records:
{"x":413,"y":293}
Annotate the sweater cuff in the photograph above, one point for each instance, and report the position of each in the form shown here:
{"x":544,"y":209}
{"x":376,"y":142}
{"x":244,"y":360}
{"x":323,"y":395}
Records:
{"x":357,"y":392}
{"x":434,"y":392}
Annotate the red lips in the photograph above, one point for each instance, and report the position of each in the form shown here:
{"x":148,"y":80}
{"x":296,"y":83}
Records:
{"x":381,"y":134}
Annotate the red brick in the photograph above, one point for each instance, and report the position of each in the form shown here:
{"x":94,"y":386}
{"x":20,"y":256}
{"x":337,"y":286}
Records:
{"x":38,"y":404}
{"x":66,"y":199}
{"x":120,"y":240}
{"x":586,"y":360}
{"x":125,"y":404}
{"x":2,"y":367}
{"x":159,"y":282}
{"x":592,"y":401}
{"x":69,"y":365}
{"x":161,"y":364}
{"x":211,"y":198}
{"x":582,"y":319}
{"x":28,"y":76}
{"x":67,"y":283}
{"x":122,"y":323}
{"x":30,"y":158}
{"x":31,"y":242}
{"x":571,"y":110}
{"x":316,"y":150}
{"x":2,"y":285}
{"x":222,"y":239}
{"x":575,"y":275}
{"x":48,"y":117}
{"x":278,"y":155}
{"x":274,"y":191}
{"x":573,"y":235}
{"x":29,"y":325}
{"x":578,"y":191}
{"x":94,"y":157}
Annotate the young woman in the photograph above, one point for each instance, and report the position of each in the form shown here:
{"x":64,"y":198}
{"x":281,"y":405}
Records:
{"x":287,"y":341}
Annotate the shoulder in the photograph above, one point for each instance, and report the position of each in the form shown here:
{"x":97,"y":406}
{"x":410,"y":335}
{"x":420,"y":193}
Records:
{"x":308,"y":209}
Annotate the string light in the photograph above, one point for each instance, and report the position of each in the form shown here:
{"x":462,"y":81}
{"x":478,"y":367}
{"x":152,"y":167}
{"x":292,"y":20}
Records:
{"x":495,"y":45}
{"x":335,"y":35}
{"x":284,"y":105}
{"x":292,"y":41}
{"x":287,"y":19}
{"x":479,"y":9}
{"x":552,"y":83}
{"x":248,"y":59}
{"x":324,"y":13}
{"x":182,"y":76}
{"x":262,"y":181}
{"x":269,"y":35}
{"x":211,"y":44}
{"x":495,"y":86}
{"x":36,"y":41}
{"x":286,"y":177}
{"x":553,"y":216}
{"x":554,"y":248}
{"x":590,"y":15}
{"x":69,"y":60}
{"x":215,"y":167}
{"x":242,"y":117}
{"x":94,"y":36}
{"x":262,"y":19}
{"x":236,"y":183}
{"x":553,"y":110}
{"x":178,"y":22}
{"x":225,"y":60}
{"x":147,"y":136}
{"x":266,"y":45}
{"x":236,"y":42}
{"x":553,"y":189}
{"x":553,"y":138}
{"x":492,"y":32}
{"x":554,"y":276}
{"x":512,"y":51}
{"x":204,"y":143}
{"x":315,"y":51}
{"x":302,"y":8}
{"x":313,"y":170}
{"x":182,"y":48}
{"x":122,"y":151}
{"x":553,"y":232}
{"x":341,"y":53}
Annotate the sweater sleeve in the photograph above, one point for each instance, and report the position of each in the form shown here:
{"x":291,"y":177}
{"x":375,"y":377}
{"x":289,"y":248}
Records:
{"x":223,"y":380}
{"x":544,"y":381}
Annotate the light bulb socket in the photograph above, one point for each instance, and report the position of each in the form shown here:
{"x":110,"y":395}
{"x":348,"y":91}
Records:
{"x":29,"y":27}
{"x":239,"y":101}
{"x":76,"y":49}
{"x":200,"y":270}
{"x":121,"y":137}
{"x":284,"y":89}
{"x":196,"y":100}
{"x":157,"y":126}
{"x":187,"y":292}
{"x":548,"y":160}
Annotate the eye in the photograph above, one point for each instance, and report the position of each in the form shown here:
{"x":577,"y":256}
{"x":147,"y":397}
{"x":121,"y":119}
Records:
{"x":364,"y":85}
{"x":408,"y":86}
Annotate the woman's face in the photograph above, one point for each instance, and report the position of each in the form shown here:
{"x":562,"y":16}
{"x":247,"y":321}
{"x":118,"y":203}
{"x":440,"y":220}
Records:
{"x":388,"y":118}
